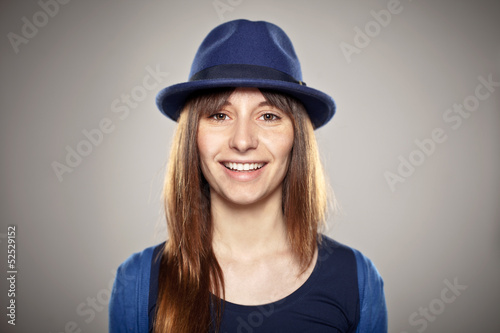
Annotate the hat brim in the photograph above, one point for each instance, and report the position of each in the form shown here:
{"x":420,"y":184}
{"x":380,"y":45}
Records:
{"x":319,"y":106}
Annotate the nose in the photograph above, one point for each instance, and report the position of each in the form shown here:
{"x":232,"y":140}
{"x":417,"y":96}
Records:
{"x":244,"y":136}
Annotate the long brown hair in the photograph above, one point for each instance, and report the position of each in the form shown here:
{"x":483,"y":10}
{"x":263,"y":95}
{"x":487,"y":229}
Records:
{"x":190,"y":275}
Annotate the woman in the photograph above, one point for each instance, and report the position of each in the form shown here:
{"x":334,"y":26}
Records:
{"x":245,"y":197}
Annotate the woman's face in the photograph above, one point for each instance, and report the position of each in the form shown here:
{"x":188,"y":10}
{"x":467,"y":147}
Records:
{"x":245,"y":148}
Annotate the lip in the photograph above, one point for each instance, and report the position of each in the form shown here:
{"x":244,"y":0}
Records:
{"x":244,"y":175}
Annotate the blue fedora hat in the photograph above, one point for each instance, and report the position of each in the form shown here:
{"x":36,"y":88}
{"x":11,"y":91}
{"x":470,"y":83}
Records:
{"x":244,"y":53}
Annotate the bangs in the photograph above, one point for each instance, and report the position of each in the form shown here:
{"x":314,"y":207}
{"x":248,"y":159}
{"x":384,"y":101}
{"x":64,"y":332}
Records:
{"x":207,"y":102}
{"x":283,"y":102}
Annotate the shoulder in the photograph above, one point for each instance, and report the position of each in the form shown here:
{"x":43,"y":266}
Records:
{"x":138,"y":262}
{"x":332,"y":252}
{"x":330,"y":246}
{"x":128,"y":306}
{"x":372,"y":306}
{"x":133,"y":271}
{"x":366,"y":270}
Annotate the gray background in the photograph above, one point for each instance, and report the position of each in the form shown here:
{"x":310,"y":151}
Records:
{"x":441,"y":223}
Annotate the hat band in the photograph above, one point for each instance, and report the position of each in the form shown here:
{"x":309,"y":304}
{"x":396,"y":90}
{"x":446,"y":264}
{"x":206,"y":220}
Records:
{"x":242,"y":71}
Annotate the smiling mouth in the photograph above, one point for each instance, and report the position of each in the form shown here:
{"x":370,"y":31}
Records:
{"x":242,"y":167}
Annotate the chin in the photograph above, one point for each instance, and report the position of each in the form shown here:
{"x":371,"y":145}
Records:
{"x":243,"y":201}
{"x":246,"y":198}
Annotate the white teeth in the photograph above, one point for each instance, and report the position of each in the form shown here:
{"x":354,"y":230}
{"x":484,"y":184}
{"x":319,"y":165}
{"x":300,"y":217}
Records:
{"x":243,"y":166}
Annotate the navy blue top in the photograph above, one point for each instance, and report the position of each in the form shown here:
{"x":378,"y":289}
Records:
{"x":344,"y":293}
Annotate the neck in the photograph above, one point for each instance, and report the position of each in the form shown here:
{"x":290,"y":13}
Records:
{"x":248,"y":231}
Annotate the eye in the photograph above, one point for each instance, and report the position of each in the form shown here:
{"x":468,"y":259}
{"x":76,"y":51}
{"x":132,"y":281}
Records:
{"x":269,"y":117}
{"x":219,"y":116}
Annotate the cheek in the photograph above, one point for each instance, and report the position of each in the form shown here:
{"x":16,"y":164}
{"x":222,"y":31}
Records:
{"x":287,"y":146}
{"x":203,"y":148}
{"x":283,"y":143}
{"x":208,"y":147}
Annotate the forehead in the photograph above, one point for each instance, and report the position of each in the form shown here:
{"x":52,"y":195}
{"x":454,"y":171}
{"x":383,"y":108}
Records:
{"x":246,"y":95}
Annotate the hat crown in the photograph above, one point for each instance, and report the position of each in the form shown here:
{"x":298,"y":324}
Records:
{"x":251,"y":43}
